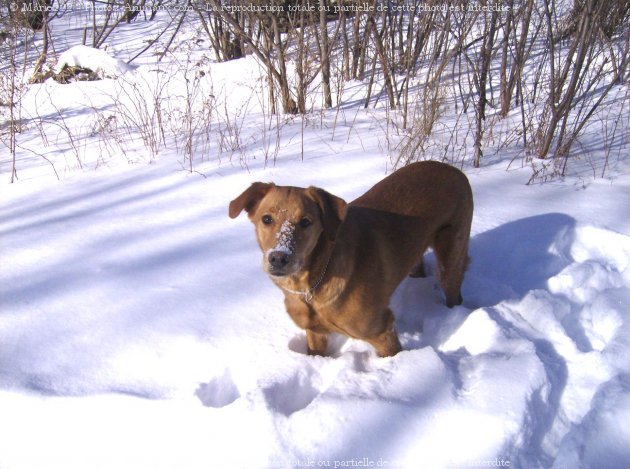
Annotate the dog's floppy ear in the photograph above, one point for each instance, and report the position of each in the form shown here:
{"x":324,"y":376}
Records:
{"x":332,"y":207}
{"x":249,"y":199}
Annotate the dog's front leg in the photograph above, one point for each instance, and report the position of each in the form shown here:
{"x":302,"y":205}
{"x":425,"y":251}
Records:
{"x":306,"y":318}
{"x":386,"y":343}
{"x":316,"y":343}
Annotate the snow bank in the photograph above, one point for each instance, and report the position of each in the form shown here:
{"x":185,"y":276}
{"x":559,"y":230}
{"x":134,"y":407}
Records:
{"x":97,"y":60}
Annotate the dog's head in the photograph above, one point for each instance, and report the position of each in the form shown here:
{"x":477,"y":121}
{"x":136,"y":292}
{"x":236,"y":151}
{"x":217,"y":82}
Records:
{"x":289,"y":222}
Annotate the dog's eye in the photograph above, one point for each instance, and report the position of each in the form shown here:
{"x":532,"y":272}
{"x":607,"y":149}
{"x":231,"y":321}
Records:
{"x":267,"y":219}
{"x":305,"y":222}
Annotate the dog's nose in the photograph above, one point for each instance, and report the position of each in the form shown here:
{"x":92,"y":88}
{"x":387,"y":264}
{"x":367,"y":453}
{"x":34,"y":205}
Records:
{"x":278,"y":259}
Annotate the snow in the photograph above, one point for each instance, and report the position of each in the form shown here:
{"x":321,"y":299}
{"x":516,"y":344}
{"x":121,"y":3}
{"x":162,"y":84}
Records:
{"x":285,"y":238}
{"x":138,"y":329}
{"x":97,"y":60}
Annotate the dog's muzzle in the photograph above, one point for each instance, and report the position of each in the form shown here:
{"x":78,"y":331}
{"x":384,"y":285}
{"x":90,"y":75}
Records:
{"x":280,"y":259}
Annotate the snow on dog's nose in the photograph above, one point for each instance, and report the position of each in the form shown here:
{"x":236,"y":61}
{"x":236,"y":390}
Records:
{"x":279,"y":257}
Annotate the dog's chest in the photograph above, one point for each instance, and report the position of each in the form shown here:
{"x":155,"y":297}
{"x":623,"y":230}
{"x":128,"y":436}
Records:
{"x":309,"y":316}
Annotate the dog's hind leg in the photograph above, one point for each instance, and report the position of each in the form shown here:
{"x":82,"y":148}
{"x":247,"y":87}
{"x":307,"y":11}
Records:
{"x":418,"y":270}
{"x":451,"y":250}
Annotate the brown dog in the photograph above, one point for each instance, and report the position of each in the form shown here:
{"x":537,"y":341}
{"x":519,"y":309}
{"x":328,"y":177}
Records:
{"x":338,"y":264}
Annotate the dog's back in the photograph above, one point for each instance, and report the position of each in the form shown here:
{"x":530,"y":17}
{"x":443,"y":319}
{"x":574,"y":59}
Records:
{"x":425,"y":204}
{"x":425,"y":189}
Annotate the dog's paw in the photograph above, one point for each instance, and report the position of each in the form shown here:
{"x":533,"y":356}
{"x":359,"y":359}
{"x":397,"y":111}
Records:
{"x":219,"y":392}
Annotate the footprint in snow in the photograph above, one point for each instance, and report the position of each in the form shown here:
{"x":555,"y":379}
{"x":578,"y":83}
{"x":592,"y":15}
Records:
{"x":292,"y":395}
{"x":335,"y":344}
{"x":219,"y":392}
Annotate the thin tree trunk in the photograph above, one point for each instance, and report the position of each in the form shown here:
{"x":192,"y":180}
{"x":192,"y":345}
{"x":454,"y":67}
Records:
{"x":325,"y":54}
{"x":486,"y":57}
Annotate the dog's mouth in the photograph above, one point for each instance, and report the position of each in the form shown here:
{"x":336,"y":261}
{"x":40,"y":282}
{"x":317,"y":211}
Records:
{"x":277,"y":273}
{"x":282,"y":272}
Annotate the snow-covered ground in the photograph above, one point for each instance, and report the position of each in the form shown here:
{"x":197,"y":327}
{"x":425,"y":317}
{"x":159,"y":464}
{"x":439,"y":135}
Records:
{"x":137,"y":329}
